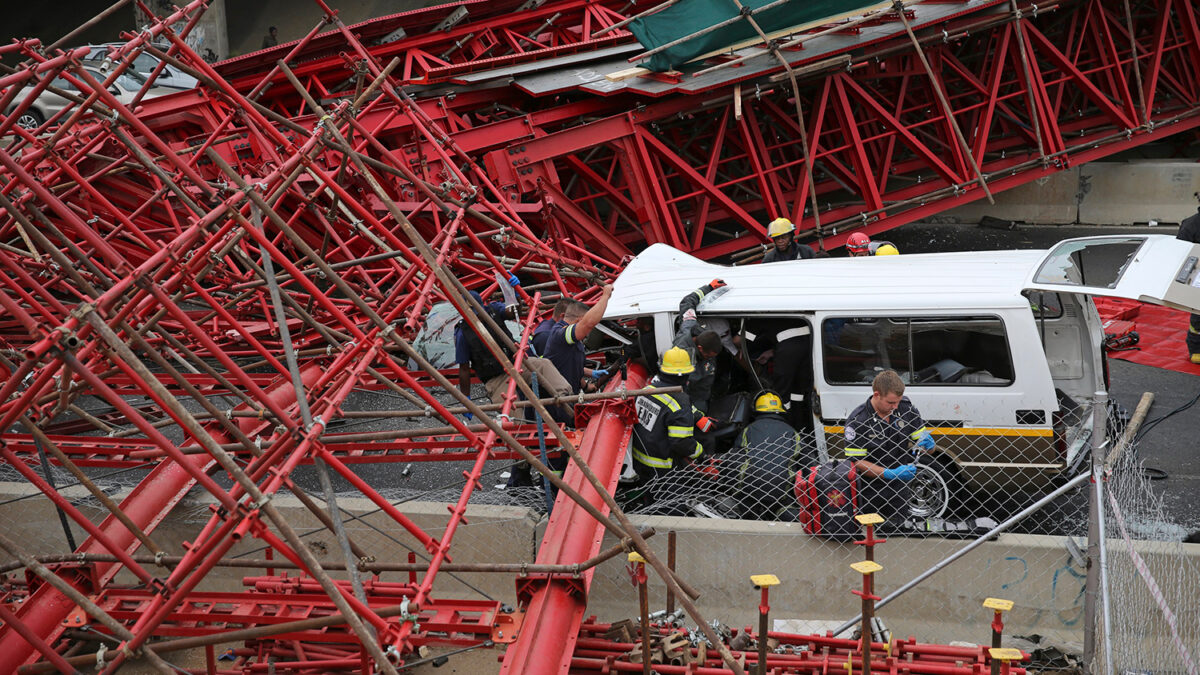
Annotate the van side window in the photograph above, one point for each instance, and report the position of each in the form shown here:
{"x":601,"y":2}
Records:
{"x":1045,"y":305}
{"x":925,"y":351}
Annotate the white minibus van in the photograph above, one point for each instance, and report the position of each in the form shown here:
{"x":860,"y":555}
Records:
{"x":1000,"y":350}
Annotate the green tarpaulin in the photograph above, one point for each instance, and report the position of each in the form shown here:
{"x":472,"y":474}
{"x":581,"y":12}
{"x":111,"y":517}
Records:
{"x":691,"y":16}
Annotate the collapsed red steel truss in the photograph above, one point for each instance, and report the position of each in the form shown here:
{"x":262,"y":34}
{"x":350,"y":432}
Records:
{"x":274,"y":239}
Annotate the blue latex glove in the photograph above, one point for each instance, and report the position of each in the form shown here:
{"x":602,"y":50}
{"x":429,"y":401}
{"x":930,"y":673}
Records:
{"x":468,"y":416}
{"x":599,"y":372}
{"x":513,"y":280}
{"x":925,"y":441}
{"x":905,"y":472}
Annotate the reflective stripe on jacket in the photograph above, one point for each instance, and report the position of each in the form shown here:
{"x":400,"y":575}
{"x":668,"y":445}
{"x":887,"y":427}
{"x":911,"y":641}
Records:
{"x":664,"y":429}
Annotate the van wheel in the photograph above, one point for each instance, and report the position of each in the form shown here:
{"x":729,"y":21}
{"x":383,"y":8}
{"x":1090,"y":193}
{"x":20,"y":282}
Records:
{"x":930,"y":492}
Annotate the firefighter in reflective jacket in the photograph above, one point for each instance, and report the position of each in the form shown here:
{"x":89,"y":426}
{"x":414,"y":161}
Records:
{"x":791,"y":364}
{"x":878,"y":434}
{"x":773,"y":452}
{"x":663,"y":433}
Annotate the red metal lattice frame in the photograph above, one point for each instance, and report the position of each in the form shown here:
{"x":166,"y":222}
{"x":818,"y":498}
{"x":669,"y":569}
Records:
{"x":127,"y":243}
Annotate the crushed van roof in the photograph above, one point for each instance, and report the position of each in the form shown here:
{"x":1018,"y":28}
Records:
{"x":660,"y":276}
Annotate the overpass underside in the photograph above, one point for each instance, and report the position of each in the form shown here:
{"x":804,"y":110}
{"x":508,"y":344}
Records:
{"x":223,"y":267}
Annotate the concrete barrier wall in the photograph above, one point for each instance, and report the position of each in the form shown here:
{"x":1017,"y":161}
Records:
{"x":715,"y":556}
{"x":1050,"y":200}
{"x":718,"y":557}
{"x":1099,"y":193}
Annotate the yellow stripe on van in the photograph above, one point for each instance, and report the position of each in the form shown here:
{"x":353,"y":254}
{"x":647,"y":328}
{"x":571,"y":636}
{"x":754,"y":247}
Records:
{"x":971,"y":431}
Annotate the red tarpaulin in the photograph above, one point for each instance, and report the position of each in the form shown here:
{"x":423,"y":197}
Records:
{"x":1161,"y":330}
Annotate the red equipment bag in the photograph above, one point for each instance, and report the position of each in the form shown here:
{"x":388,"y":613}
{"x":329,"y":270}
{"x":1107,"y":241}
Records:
{"x":828,"y":497}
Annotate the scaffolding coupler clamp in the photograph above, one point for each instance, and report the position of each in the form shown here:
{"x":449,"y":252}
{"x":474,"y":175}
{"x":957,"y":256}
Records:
{"x":405,"y":617}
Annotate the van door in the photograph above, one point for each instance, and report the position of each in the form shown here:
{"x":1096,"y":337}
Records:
{"x":1158,"y":269}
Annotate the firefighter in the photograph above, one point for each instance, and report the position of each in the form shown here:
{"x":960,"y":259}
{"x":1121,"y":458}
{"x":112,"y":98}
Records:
{"x":664,"y":434}
{"x":645,"y":350}
{"x":702,"y":346}
{"x":790,"y":345}
{"x":783,"y":235}
{"x":878,"y":434}
{"x":774,"y":450}
{"x":859,"y":245}
{"x":1189,"y":230}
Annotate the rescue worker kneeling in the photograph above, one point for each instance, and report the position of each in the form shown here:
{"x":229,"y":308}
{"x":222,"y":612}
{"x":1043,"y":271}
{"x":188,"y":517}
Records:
{"x":878,"y":434}
{"x":773,"y":452}
{"x":663,"y":434}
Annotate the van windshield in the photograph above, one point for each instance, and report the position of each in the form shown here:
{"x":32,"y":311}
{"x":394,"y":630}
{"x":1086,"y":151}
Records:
{"x":924,"y":350}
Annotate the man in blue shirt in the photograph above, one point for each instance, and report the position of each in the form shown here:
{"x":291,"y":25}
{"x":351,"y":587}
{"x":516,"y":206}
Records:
{"x":878,"y":434}
{"x":542,"y":331}
{"x":472,"y":353}
{"x":565,"y":348}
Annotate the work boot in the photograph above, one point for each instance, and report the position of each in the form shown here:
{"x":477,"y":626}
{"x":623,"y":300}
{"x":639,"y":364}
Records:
{"x":1195,"y":358}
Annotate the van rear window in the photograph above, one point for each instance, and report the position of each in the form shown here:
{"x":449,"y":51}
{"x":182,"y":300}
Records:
{"x":925,"y":351}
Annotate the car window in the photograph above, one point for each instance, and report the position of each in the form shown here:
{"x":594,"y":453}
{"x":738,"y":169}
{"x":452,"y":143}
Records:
{"x":64,"y":84}
{"x":128,"y":83}
{"x":925,"y":351}
{"x":145,"y":64}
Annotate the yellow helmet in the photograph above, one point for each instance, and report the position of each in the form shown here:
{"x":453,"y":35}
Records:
{"x":887,"y":249}
{"x":780,"y":227}
{"x":768,"y":401}
{"x":676,"y":361}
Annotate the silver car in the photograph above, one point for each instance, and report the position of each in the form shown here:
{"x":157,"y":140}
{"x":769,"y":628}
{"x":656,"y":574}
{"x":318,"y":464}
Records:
{"x":143,"y":65}
{"x":49,"y":103}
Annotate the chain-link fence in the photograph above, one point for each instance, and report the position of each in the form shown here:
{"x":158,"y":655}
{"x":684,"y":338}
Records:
{"x":30,"y":518}
{"x":775,"y":507}
{"x":1150,"y":584}
{"x":964,"y":493}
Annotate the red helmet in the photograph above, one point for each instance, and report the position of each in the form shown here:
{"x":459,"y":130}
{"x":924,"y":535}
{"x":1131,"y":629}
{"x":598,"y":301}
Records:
{"x":858,"y":242}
